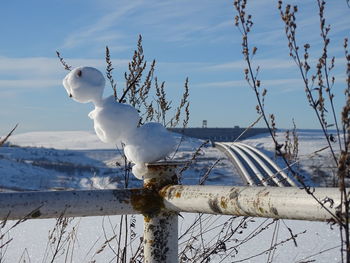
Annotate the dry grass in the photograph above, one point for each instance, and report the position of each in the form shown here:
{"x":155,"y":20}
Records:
{"x":318,"y":87}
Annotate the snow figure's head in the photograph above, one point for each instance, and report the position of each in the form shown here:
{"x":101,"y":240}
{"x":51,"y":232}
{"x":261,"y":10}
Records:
{"x":85,"y":84}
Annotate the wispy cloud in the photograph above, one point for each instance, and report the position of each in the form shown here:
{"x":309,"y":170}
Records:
{"x":101,"y":30}
{"x":35,"y":66}
{"x":169,"y":21}
{"x":263,"y":63}
{"x":43,"y":66}
{"x":284,"y":85}
{"x":220,"y":84}
{"x":29,"y":83}
{"x":195,"y":25}
{"x":24,"y":74}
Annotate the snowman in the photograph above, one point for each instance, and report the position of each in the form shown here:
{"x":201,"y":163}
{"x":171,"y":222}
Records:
{"x":118,"y":122}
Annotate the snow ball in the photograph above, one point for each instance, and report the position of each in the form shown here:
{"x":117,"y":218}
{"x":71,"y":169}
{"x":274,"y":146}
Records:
{"x":85,"y":84}
{"x":150,"y":143}
{"x":139,"y":170}
{"x":114,"y":122}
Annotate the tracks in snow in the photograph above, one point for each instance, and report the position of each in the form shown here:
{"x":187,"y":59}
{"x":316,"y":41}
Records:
{"x":254,"y":166}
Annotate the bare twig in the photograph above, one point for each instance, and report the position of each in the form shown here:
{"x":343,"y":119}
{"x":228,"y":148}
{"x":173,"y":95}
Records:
{"x":4,"y":140}
{"x":63,"y":62}
{"x":248,"y":128}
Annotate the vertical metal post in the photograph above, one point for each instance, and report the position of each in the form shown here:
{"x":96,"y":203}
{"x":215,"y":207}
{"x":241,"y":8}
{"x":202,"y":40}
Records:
{"x":160,"y":226}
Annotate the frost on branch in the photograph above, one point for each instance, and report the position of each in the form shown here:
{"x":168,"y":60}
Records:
{"x":117,"y":122}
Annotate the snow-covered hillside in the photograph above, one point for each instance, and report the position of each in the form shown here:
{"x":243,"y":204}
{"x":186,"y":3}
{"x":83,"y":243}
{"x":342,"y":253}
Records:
{"x":78,"y":160}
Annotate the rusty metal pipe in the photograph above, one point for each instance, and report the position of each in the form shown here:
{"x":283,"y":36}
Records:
{"x":51,"y":204}
{"x":160,"y":234}
{"x":271,"y":202}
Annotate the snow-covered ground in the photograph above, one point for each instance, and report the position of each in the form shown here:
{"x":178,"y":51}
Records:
{"x":64,"y":160}
{"x":78,"y":160}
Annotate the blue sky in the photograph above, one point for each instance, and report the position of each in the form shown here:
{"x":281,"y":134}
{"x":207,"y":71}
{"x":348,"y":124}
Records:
{"x":194,"y":39}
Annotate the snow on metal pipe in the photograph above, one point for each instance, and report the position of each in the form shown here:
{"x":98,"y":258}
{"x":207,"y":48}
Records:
{"x":160,"y":234}
{"x":52,"y":204}
{"x":271,"y":202}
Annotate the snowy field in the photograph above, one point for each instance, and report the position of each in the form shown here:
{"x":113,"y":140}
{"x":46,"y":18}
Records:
{"x":78,"y":160}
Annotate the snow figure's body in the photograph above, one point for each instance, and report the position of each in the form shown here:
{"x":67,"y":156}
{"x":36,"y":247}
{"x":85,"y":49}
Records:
{"x":117,"y":122}
{"x":114,"y":121}
{"x":150,"y":143}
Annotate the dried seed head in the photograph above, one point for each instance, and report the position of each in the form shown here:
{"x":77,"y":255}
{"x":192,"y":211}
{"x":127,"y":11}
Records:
{"x":257,"y":109}
{"x":254,"y":50}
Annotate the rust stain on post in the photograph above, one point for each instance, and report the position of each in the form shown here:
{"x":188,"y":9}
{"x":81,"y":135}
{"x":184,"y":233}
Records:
{"x":147,"y":202}
{"x":150,"y":184}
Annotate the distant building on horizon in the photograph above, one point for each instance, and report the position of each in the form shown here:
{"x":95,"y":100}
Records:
{"x":219,"y":134}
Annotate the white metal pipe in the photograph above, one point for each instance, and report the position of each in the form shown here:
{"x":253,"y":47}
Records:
{"x":271,"y":202}
{"x":160,"y":236}
{"x":244,"y":173}
{"x":290,"y":180}
{"x":252,"y":154}
{"x":51,"y":204}
{"x":245,"y":157}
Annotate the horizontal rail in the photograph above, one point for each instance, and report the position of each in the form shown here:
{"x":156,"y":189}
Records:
{"x":271,"y":202}
{"x":51,"y":204}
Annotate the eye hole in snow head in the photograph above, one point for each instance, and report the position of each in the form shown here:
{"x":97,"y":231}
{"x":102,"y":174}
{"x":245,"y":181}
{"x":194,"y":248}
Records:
{"x":79,"y":73}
